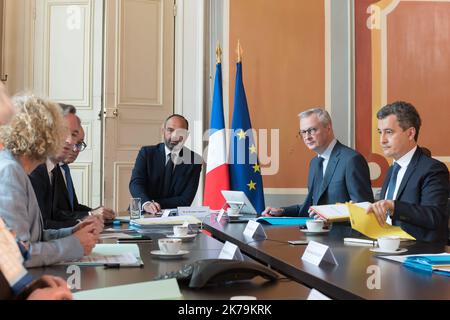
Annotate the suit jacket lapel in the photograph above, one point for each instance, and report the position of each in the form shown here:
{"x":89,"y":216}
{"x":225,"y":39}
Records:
{"x":385,"y":184}
{"x":160,"y":163}
{"x":411,"y":167}
{"x":331,"y":166}
{"x":59,"y":186}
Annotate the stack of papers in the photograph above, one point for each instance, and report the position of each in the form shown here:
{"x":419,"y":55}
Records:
{"x":335,"y":212}
{"x":439,"y":264}
{"x":153,"y":290}
{"x":123,"y":255}
{"x":368,"y":225}
{"x":164,"y":224}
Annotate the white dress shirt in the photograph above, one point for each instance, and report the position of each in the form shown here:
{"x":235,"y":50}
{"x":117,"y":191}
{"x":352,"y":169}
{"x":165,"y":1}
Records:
{"x":327,"y":154}
{"x":403,"y":162}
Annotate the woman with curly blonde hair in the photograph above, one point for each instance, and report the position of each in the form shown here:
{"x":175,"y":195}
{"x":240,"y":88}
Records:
{"x":35,"y":132}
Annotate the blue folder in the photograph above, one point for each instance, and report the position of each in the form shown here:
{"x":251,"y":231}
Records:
{"x":426,"y":263}
{"x":283,"y":221}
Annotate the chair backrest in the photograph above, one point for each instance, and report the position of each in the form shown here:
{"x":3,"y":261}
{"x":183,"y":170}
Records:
{"x":448,"y":209}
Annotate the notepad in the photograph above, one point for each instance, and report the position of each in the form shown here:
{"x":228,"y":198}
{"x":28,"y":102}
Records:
{"x":149,"y":222}
{"x":336,"y":212}
{"x":126,"y":255}
{"x":152,"y":290}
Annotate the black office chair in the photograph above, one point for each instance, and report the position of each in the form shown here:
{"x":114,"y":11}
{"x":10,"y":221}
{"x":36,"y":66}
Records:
{"x":448,"y":209}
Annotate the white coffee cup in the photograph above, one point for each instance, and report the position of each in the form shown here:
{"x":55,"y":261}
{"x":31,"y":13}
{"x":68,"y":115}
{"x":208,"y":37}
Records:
{"x":314,"y":225}
{"x":232,"y":212}
{"x":180,"y":231}
{"x":169,"y":245}
{"x":390,"y":243}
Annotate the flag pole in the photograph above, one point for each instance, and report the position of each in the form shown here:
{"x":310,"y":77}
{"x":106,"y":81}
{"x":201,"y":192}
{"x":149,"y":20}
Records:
{"x":218,"y":53}
{"x":239,"y":52}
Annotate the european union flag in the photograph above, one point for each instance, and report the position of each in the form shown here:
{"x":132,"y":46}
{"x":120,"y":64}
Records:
{"x":245,"y":172}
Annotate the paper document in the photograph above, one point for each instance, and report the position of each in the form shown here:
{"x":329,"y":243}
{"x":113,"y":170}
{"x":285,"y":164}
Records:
{"x":165,"y":221}
{"x":336,"y":212}
{"x":368,"y":225}
{"x":153,"y":290}
{"x":123,"y":218}
{"x":126,"y":255}
{"x":115,"y":235}
{"x":124,"y":259}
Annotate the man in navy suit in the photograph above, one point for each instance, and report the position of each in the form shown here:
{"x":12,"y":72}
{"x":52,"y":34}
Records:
{"x":167,"y":175}
{"x":416,"y":187}
{"x":337,"y":174}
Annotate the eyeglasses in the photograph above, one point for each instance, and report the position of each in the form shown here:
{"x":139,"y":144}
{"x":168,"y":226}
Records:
{"x":79,"y":146}
{"x":310,"y":131}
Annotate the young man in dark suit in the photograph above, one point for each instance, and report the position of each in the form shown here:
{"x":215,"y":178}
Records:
{"x":416,"y":187}
{"x":167,"y":175}
{"x":337,"y":174}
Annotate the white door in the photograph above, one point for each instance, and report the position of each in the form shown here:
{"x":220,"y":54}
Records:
{"x":68,"y":69}
{"x":17,"y":38}
{"x":138,"y":86}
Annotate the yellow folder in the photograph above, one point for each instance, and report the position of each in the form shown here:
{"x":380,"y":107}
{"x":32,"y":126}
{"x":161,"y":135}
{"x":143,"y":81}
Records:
{"x":368,"y":225}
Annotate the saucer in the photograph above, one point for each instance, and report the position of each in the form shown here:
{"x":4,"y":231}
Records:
{"x":323,"y":231}
{"x":379,"y":250}
{"x":186,"y":238}
{"x":165,"y":255}
{"x":234,"y":216}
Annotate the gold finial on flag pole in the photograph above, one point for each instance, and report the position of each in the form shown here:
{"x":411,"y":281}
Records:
{"x":239,"y":52}
{"x":218,"y":53}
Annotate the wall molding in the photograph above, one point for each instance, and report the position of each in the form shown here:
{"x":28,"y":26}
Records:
{"x":84,"y":186}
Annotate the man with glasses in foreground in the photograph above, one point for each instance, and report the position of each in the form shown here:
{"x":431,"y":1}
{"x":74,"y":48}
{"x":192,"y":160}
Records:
{"x":337,"y":174}
{"x":53,"y":185}
{"x":65,"y":208}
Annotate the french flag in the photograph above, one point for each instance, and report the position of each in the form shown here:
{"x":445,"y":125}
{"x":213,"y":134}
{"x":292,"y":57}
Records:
{"x":217,"y":174}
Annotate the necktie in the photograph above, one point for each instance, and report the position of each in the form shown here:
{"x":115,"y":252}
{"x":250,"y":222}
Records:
{"x":167,"y":176}
{"x":69,"y":183}
{"x":318,"y":181}
{"x":393,"y":181}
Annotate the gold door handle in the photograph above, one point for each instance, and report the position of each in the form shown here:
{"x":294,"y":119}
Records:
{"x":111,"y":113}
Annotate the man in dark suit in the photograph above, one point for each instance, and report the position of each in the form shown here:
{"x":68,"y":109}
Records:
{"x":52,"y":181}
{"x":167,"y":175}
{"x":337,"y":174}
{"x":416,"y":187}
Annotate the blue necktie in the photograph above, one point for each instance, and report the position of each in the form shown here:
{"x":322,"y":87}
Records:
{"x":318,"y":181}
{"x":69,"y":184}
{"x":393,"y":181}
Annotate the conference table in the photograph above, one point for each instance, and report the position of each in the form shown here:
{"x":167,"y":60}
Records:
{"x":360,"y":273}
{"x":202,"y":247}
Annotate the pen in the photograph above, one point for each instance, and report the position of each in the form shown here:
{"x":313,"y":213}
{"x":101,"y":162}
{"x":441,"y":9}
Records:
{"x":357,"y":240}
{"x":154,"y":202}
{"x":112,"y":265}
